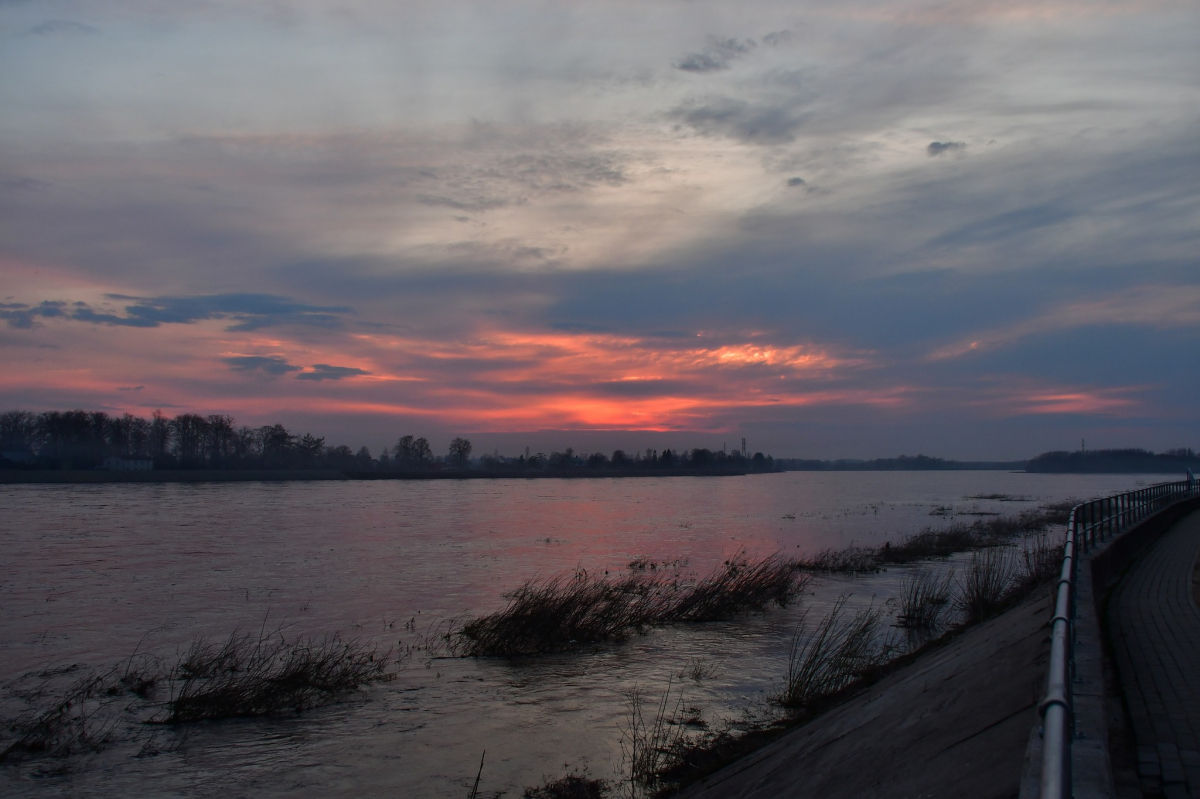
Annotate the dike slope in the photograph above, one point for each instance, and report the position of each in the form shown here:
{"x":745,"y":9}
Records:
{"x":954,"y":723}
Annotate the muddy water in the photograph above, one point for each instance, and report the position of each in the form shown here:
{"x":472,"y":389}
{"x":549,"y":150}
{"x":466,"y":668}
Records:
{"x":91,"y":574}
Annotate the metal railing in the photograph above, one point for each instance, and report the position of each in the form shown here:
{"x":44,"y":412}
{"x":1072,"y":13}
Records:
{"x":1090,"y":523}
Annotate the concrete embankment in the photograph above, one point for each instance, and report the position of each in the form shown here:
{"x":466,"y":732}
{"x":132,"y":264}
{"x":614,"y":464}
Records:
{"x":956,"y":722}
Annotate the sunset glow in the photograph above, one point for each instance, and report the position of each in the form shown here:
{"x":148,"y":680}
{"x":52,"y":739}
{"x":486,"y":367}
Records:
{"x":837,"y":229}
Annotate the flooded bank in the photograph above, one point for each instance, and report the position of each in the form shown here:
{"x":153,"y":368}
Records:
{"x":95,"y":573}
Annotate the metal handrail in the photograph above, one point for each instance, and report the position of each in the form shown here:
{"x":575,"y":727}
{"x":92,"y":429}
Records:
{"x":1090,"y":523}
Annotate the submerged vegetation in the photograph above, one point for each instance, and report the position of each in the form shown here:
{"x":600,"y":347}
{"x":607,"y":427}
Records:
{"x":924,"y":599}
{"x":563,"y":611}
{"x":570,"y":786}
{"x":259,"y":676}
{"x":932,"y":543}
{"x":247,"y":675}
{"x":831,"y":656}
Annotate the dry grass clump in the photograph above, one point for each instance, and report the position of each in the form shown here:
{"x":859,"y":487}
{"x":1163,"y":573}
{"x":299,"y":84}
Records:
{"x":247,"y":675}
{"x":570,"y":786}
{"x":550,"y":615}
{"x":739,"y":586}
{"x":848,"y":560}
{"x":67,"y":726}
{"x":924,"y":599}
{"x":555,"y":614}
{"x":1041,"y":561}
{"x":987,"y":587}
{"x":837,"y":653}
{"x":939,"y":543}
{"x":258,"y":675}
{"x":650,"y":746}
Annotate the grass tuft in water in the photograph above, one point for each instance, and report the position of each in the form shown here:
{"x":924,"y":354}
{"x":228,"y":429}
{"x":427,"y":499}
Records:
{"x":651,"y":745}
{"x":259,"y":675}
{"x":924,"y":599}
{"x":835,"y":654}
{"x":986,"y":588}
{"x":570,"y":786}
{"x":69,"y":725}
{"x":939,"y":543}
{"x":564,"y":611}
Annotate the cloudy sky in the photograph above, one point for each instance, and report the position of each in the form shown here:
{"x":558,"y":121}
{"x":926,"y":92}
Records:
{"x":853,"y":228}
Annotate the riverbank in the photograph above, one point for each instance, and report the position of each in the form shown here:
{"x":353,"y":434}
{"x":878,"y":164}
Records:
{"x":953,"y":723}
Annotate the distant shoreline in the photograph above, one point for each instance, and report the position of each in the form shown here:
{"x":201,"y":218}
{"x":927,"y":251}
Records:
{"x":90,"y":476}
{"x":96,"y":476}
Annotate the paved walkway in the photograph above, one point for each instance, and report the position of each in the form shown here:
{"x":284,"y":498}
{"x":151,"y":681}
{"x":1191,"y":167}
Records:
{"x":1155,"y":626}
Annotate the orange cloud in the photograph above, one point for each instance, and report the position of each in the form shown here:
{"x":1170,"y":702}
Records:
{"x":1025,"y":399}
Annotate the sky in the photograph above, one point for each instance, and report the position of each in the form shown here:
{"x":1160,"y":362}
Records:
{"x":858,"y":228}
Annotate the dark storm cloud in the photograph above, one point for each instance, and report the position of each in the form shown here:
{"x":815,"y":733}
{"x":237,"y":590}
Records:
{"x":323,"y":371}
{"x":22,"y":316}
{"x":248,"y":311}
{"x":273,"y":365}
{"x":750,"y":123}
{"x":936,"y":148}
{"x":83,"y":313}
{"x":702,"y":62}
{"x":62,"y":27}
{"x":717,"y":55}
{"x":796,"y":182}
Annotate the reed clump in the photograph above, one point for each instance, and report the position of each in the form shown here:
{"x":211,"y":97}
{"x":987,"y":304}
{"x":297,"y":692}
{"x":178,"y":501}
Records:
{"x":924,"y":599}
{"x":563,"y":611}
{"x":848,"y":560}
{"x":570,"y":786}
{"x":740,"y":585}
{"x":1041,"y":561}
{"x":651,"y":744}
{"x":70,"y":723}
{"x":987,"y":586}
{"x":932,"y":543}
{"x":837,"y":653}
{"x":258,"y":675}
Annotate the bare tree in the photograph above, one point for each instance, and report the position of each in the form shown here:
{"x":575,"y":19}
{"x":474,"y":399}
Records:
{"x":18,"y":432}
{"x":460,"y":453}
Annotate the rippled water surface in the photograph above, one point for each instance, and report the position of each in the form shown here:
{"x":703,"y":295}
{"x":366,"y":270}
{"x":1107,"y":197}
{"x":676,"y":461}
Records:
{"x":91,"y":574}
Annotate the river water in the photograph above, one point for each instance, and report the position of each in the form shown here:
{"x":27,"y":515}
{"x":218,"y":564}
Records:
{"x":92,"y":573}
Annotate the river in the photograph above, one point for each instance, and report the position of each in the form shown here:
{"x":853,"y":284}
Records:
{"x":93,"y":573}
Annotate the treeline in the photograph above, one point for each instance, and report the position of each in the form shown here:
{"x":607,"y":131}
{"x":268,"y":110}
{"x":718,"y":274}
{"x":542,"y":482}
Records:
{"x":88,"y":439}
{"x":94,"y":439}
{"x":1115,"y":461}
{"x":650,"y":460}
{"x":904,"y":463}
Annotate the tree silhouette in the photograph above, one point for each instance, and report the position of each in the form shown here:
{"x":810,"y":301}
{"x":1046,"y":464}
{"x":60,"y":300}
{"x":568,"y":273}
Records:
{"x":460,"y":453}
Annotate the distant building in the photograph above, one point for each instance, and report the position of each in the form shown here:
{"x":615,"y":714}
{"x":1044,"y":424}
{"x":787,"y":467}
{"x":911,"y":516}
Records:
{"x":17,"y":457}
{"x":129,"y":465}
